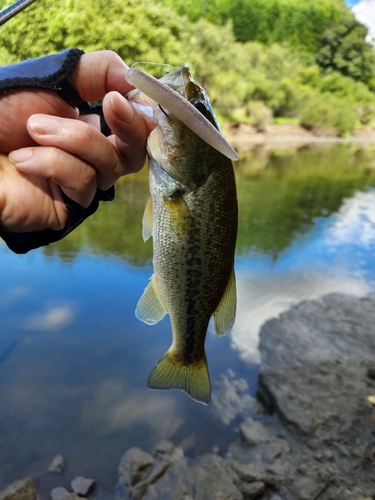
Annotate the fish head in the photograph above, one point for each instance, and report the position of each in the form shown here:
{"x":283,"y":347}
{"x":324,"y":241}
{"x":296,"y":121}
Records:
{"x":182,"y":81}
{"x":185,"y":157}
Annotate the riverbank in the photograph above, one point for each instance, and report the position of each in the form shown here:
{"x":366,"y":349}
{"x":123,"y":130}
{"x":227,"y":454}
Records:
{"x":244,"y":136}
{"x":313,"y":438}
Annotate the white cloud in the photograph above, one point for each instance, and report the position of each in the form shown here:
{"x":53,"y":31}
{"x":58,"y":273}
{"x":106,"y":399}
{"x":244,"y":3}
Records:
{"x":364,"y":11}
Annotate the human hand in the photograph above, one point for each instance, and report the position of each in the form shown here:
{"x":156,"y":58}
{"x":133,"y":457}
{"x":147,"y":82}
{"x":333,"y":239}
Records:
{"x":53,"y":148}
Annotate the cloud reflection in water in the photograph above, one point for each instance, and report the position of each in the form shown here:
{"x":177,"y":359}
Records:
{"x":115,"y":407}
{"x":232,"y":399}
{"x":54,"y":318}
{"x":355,"y":221}
{"x":335,"y":258}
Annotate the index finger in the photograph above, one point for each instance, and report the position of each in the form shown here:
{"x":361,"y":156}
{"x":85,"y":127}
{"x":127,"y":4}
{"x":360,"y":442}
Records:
{"x":97,"y":73}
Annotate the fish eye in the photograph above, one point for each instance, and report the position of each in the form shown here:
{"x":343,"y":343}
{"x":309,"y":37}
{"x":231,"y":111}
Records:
{"x":200,"y":106}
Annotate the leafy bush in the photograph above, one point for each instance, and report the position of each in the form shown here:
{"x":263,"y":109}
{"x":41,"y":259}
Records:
{"x":320,"y":112}
{"x":135,"y":31}
{"x":259,"y":115}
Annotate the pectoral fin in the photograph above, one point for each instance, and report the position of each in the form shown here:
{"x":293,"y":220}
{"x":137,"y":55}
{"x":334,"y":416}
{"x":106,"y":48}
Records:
{"x":147,"y":220}
{"x":150,"y":308}
{"x":225,"y":313}
{"x":179,"y":215}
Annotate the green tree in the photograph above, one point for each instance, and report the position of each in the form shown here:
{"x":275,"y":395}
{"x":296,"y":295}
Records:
{"x":344,"y":49}
{"x":135,"y":31}
{"x":299,"y":23}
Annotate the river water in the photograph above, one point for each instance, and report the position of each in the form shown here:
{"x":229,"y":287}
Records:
{"x":74,"y":360}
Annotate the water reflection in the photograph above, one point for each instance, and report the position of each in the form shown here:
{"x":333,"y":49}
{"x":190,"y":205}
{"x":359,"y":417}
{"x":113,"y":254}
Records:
{"x":264,"y":295}
{"x":232,"y":398}
{"x":53,"y":318}
{"x":355,"y":222}
{"x":74,"y":360}
{"x":116,"y":407}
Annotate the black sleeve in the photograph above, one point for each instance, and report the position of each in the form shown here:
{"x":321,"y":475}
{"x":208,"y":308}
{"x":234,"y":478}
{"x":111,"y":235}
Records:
{"x":52,"y":73}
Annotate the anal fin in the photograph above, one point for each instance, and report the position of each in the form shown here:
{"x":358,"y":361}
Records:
{"x":225,"y":313}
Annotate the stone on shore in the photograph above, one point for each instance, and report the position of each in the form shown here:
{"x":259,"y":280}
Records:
{"x":134,"y":464}
{"x":24,"y":489}
{"x":82,"y":485}
{"x":57,"y":465}
{"x":169,"y":474}
{"x":60,"y":493}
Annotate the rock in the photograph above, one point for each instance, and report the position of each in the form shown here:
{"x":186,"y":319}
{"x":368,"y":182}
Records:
{"x":150,"y":476}
{"x":60,"y":493}
{"x":24,"y":489}
{"x":57,"y":464}
{"x":252,"y":490}
{"x":336,"y":326}
{"x":306,"y":488}
{"x":82,"y":486}
{"x":164,"y":448}
{"x":274,"y":449}
{"x":319,"y":439}
{"x":134,"y":464}
{"x":317,"y":396}
{"x":167,"y":451}
{"x":173,"y":477}
{"x":246,"y":472}
{"x":214,"y":482}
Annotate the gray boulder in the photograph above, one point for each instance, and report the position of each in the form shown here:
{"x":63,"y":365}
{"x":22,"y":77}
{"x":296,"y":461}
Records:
{"x":336,"y":326}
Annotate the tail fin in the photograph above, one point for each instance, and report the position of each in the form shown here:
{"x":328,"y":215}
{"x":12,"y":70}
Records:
{"x":171,"y":373}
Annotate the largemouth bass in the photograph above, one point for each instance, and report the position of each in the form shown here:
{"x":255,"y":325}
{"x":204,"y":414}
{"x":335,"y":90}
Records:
{"x":192,"y":216}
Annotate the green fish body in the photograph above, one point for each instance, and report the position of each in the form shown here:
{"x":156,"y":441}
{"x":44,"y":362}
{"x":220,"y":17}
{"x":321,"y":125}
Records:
{"x":192,"y":216}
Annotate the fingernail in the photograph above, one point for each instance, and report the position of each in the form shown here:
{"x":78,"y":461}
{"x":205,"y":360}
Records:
{"x":45,"y":125}
{"x":121,"y":107}
{"x":20,"y":155}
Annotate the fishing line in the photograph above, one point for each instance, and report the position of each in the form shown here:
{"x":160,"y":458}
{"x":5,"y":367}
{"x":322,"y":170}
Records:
{"x":154,"y":64}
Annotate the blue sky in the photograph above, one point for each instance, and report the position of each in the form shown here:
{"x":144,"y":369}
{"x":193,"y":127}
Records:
{"x":364,"y":11}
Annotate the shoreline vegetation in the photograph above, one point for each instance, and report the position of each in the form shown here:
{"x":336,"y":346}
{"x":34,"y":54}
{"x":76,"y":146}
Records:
{"x":258,"y":60}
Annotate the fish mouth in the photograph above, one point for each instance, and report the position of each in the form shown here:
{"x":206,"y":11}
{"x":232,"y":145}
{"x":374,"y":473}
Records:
{"x":174,"y":92}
